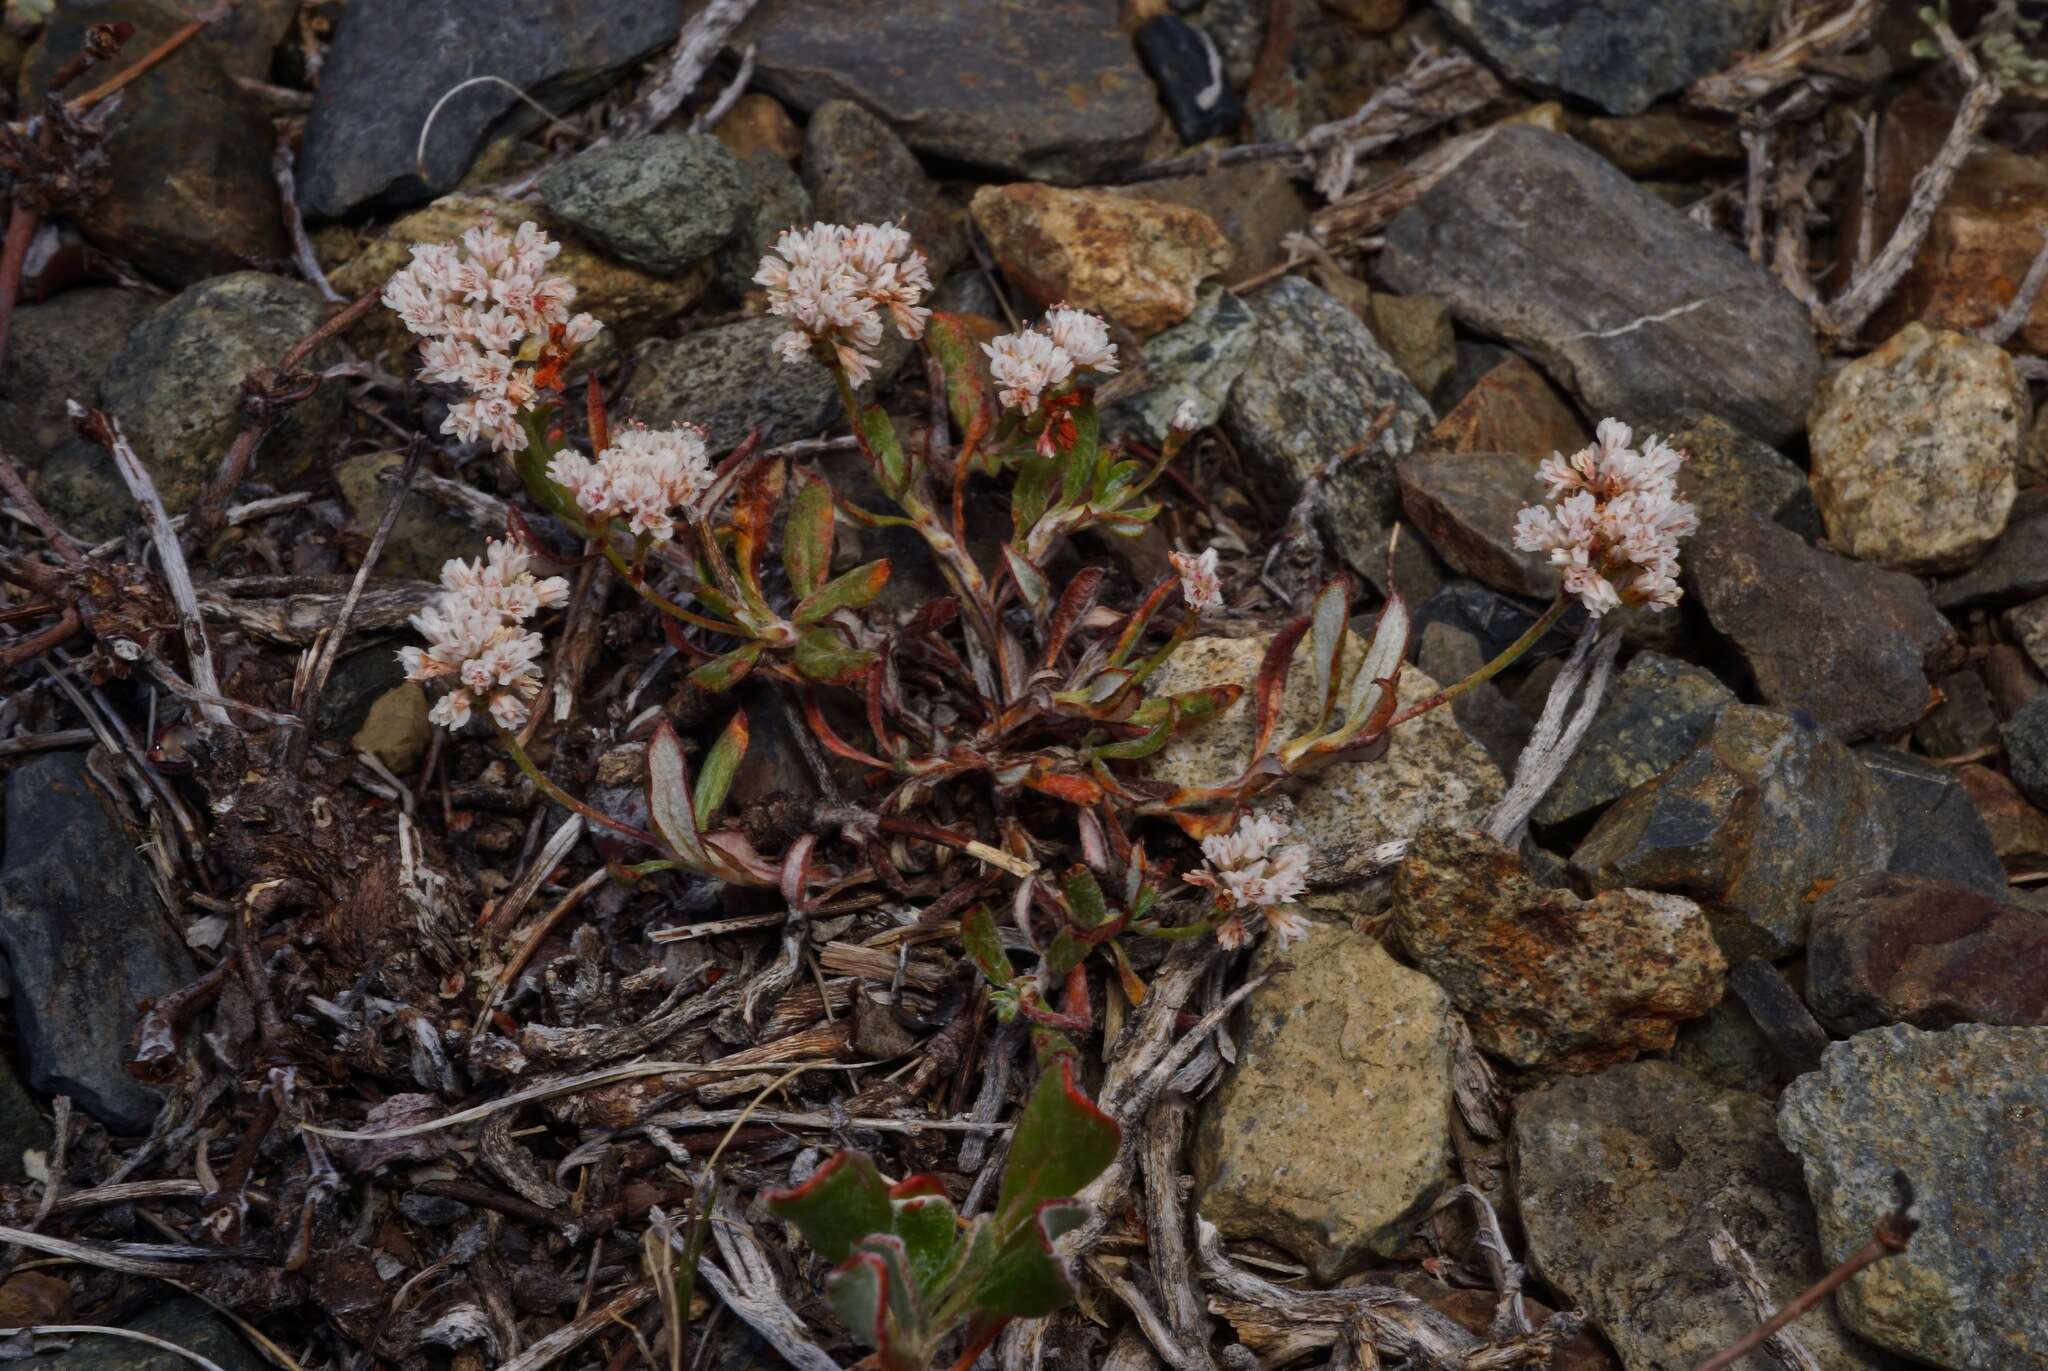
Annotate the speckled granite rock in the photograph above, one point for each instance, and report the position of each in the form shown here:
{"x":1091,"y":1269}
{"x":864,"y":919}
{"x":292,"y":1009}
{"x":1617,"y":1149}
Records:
{"x":1654,"y":713}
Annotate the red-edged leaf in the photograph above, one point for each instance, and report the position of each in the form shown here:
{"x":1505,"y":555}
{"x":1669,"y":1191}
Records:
{"x":930,"y":1229}
{"x":807,"y":537}
{"x":1027,"y":1280}
{"x":838,"y":746}
{"x":855,"y":590}
{"x":956,"y":339}
{"x":1030,"y":578}
{"x":1061,"y":785}
{"x":1371,"y":700}
{"x":600,"y":422}
{"x":668,"y":794}
{"x":723,"y":673}
{"x":752,"y":518}
{"x":1272,"y":684}
{"x":1062,"y":1142}
{"x":844,"y":1201}
{"x":822,"y":655}
{"x":714,"y":779}
{"x":879,"y":442}
{"x":1075,"y":601}
{"x":858,"y":1291}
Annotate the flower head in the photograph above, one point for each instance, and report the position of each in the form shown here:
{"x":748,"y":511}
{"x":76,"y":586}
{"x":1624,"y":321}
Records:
{"x":479,"y":305}
{"x":1198,"y":583}
{"x":834,"y":283}
{"x":475,"y":640}
{"x":1028,"y":363}
{"x":1614,"y":520}
{"x":644,"y":477}
{"x":1253,"y":871}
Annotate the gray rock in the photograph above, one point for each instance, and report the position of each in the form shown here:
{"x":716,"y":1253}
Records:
{"x":184,"y":1321}
{"x":1465,"y":504}
{"x":661,"y":203}
{"x":2026,"y":749}
{"x":1654,"y":714}
{"x":58,"y":351}
{"x":86,"y":939}
{"x":2012,"y":569}
{"x":1049,"y":91}
{"x":775,"y":200}
{"x":1623,"y":55}
{"x":1754,"y":823}
{"x":1346,"y":1034}
{"x":1725,"y":1047}
{"x":176,"y":386}
{"x":1287,"y":418}
{"x":1851,"y":644}
{"x":1256,"y":204}
{"x":859,"y":172}
{"x":1448,"y":652}
{"x":1780,"y":1016}
{"x":1940,"y":832}
{"x":1920,"y":950}
{"x":1626,"y":302}
{"x":729,"y":380}
{"x":1624,"y":1178}
{"x":392,"y":60}
{"x":1197,"y":360}
{"x":1964,"y":721}
{"x":1727,"y":474}
{"x":426,"y":535}
{"x":1959,"y":1113}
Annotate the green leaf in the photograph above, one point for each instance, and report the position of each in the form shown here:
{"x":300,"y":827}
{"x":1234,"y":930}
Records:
{"x":719,"y":765}
{"x":890,"y":463}
{"x":930,"y":1229}
{"x":1026,"y":1279}
{"x":1077,"y":463}
{"x":844,"y":1201}
{"x":807,"y":538}
{"x":1031,"y":582}
{"x":824,"y":656}
{"x":868,"y":1291}
{"x":1085,"y":899}
{"x":1032,"y":494}
{"x":1066,"y":953}
{"x":956,"y":339}
{"x":1144,"y":745}
{"x":856,"y":589}
{"x":723,"y":673}
{"x":985,"y":946}
{"x":668,"y":795}
{"x":1062,"y":1142}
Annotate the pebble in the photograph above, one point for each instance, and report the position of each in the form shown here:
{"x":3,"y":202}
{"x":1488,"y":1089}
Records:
{"x":1538,"y":240}
{"x":1728,"y":474}
{"x":1854,"y":645}
{"x":859,"y":172}
{"x":1940,"y":832}
{"x":757,"y":122}
{"x":661,"y":203}
{"x":1781,"y":1017}
{"x":2019,"y":832}
{"x":1510,"y":407}
{"x":1963,"y":722}
{"x":728,"y":380}
{"x":1344,"y":1033}
{"x":1755,"y":823}
{"x":1257,"y":205}
{"x":1914,"y":447}
{"x":2014,"y":568}
{"x":1959,"y":1113}
{"x":396,"y":731}
{"x":1186,"y":66}
{"x":2026,"y":749}
{"x":58,"y":350}
{"x":1548,"y":981}
{"x":1921,"y":950}
{"x":1655,"y":712}
{"x":1416,"y":331}
{"x":1465,"y":504}
{"x":1138,"y":263}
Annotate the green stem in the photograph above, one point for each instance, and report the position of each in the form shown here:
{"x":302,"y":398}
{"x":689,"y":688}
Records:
{"x":1493,"y":668}
{"x":653,"y":597}
{"x":562,"y":797}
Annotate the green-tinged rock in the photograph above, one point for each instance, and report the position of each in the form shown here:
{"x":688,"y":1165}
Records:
{"x":57,"y":352}
{"x":661,"y":203}
{"x":1416,"y":332}
{"x":1727,"y":473}
{"x":775,"y":200}
{"x":1654,"y":714}
{"x":425,"y":536}
{"x":1194,"y":362}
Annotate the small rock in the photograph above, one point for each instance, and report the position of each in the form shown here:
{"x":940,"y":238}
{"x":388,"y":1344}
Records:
{"x":1539,"y":241}
{"x":2026,"y":749}
{"x":1781,"y":1017}
{"x":2010,"y":678}
{"x":1465,"y":504}
{"x":1287,"y":419}
{"x":1623,"y":55}
{"x":1959,"y":1113}
{"x":2014,"y":569}
{"x":1913,"y":450}
{"x":661,"y":203}
{"x":2019,"y":832}
{"x":1851,"y":644}
{"x":630,"y":302}
{"x":859,"y":172}
{"x":1547,"y":980}
{"x":1940,"y":833}
{"x":184,"y":1322}
{"x":1497,"y":621}
{"x":1510,"y":408}
{"x":1346,"y":1033}
{"x":396,"y":732}
{"x":1135,"y":262}
{"x":774,"y":199}
{"x":393,"y":60}
{"x":1756,"y":823}
{"x":425,"y":536}
{"x":757,"y":122}
{"x":1624,"y":1178}
{"x":878,"y":1034}
{"x":728,"y":380}
{"x":1448,"y":652}
{"x":1256,"y":204}
{"x":86,"y":939}
{"x":1920,"y":950}
{"x":189,"y":193}
{"x":58,"y":351}
{"x":1049,"y":91}
{"x":176,"y":385}
{"x":1416,"y":332}
{"x":1662,"y":143}
{"x":358,"y":681}
{"x":1728,"y":474}
{"x":1188,"y":70}
{"x":35,"y":1297}
{"x":1431,"y":773}
{"x":23,"y":1128}
{"x":1656,"y":711}
{"x":2029,"y":624}
{"x":1963,"y":722}
{"x":1725,"y":1047}
{"x":1196,"y":361}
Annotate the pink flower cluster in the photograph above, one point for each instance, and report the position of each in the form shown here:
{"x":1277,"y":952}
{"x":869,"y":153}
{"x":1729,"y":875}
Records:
{"x":644,"y":477}
{"x":1199,"y":585}
{"x":834,"y":283}
{"x":474,"y":636}
{"x":1028,"y":363}
{"x":477,"y":304}
{"x":1614,"y":521}
{"x":1252,"y":870}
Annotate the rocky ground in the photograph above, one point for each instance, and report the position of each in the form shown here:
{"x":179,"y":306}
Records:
{"x":1778,"y":933}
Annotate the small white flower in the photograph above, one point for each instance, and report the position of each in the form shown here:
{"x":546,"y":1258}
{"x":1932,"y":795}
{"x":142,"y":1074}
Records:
{"x":644,"y":477}
{"x":1198,"y":582}
{"x":475,"y":639}
{"x":1251,"y":869}
{"x":1026,"y":365}
{"x":1187,"y":416}
{"x":1614,"y":522}
{"x":834,"y":283}
{"x":1083,"y":337}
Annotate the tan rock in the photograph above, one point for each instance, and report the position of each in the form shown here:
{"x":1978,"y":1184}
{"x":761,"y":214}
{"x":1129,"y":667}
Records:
{"x":1514,"y":409}
{"x":2033,"y":463}
{"x":757,"y":122}
{"x":1135,"y":262}
{"x":1416,"y":332}
{"x":1431,"y":773}
{"x":631,"y":304}
{"x":396,"y":730}
{"x":2029,"y":624}
{"x":1256,"y":205}
{"x":1331,"y":1134}
{"x":1914,"y":450}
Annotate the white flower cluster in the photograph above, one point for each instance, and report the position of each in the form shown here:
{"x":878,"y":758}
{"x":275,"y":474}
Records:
{"x":1029,"y":363}
{"x":1199,"y":585}
{"x":1616,"y":521}
{"x":477,"y":305}
{"x":1252,"y":869}
{"x":644,"y":477}
{"x":834,"y":283}
{"x":474,"y":635}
